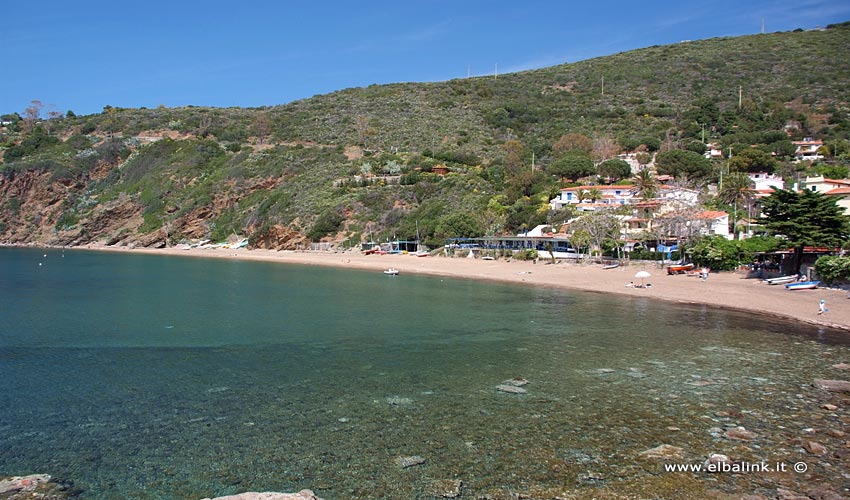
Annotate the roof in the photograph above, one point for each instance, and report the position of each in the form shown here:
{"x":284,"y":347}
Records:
{"x":839,"y":191}
{"x":712,"y":214}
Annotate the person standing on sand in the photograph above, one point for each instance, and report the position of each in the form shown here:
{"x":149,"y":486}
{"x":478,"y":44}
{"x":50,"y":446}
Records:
{"x":822,"y":307}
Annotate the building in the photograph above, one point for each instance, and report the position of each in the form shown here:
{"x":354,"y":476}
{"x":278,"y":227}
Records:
{"x":808,"y":150}
{"x":842,"y":198}
{"x":821,"y":184}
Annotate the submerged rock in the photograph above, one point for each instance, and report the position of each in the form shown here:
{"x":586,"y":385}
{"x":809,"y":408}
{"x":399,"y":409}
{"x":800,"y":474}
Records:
{"x":833,"y":385}
{"x":22,"y":483}
{"x":266,"y":495}
{"x":511,"y":389}
{"x":516,"y":382}
{"x":413,"y":460}
{"x":664,"y":451}
{"x":842,"y":366}
{"x":446,"y":488}
{"x":741,"y":434}
{"x":815,"y":448}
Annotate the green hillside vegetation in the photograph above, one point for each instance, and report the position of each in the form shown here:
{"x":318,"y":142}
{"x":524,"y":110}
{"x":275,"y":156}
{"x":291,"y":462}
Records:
{"x":361,"y":161}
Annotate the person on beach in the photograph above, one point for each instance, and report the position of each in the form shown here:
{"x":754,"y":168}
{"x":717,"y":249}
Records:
{"x":822,"y":307}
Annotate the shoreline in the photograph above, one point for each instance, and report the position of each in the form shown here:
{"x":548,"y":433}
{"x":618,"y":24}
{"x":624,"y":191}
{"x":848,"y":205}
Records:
{"x":726,"y":290}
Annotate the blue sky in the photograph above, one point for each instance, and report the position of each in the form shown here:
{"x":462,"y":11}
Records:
{"x":83,"y":56}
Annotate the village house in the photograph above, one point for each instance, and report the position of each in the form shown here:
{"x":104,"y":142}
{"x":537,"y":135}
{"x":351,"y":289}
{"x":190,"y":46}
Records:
{"x":821,"y":184}
{"x":808,"y":150}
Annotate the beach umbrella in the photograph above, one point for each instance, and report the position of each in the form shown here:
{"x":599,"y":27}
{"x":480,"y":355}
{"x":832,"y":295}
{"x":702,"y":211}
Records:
{"x":642,"y":275}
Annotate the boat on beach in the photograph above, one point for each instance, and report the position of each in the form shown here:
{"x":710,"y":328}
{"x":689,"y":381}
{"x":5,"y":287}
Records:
{"x":782,"y":280}
{"x":679,"y":268}
{"x":802,"y":285}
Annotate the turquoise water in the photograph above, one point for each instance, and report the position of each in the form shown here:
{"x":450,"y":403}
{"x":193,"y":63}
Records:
{"x":165,"y":377}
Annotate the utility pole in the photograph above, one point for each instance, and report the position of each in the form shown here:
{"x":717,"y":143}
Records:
{"x":762,"y":25}
{"x":467,"y":71}
{"x":603,"y":85}
{"x":532,"y":162}
{"x":496,"y":72}
{"x":740,"y":96}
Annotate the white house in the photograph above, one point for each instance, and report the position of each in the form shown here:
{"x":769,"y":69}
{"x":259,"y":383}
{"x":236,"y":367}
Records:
{"x":842,"y":198}
{"x":807,"y":150}
{"x":765,"y":183}
{"x":714,"y":222}
{"x":610,"y":196}
{"x":821,"y":184}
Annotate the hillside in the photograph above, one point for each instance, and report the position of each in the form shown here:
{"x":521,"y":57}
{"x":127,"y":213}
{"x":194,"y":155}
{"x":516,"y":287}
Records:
{"x":358,"y":161}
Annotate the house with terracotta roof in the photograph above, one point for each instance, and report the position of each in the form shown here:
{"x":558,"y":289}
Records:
{"x":808,"y":150}
{"x":821,"y":184}
{"x":842,"y":198}
{"x":714,"y":222}
{"x":611,"y":196}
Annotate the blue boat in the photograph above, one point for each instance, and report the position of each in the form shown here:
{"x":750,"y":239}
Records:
{"x":802,"y":285}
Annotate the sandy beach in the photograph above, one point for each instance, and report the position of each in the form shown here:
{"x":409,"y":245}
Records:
{"x":726,"y":290}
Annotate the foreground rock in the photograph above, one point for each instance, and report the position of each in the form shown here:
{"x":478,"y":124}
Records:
{"x":405,"y":462}
{"x":301,"y":495}
{"x":23,"y":483}
{"x":833,"y":385}
{"x":511,"y":389}
{"x":664,"y":452}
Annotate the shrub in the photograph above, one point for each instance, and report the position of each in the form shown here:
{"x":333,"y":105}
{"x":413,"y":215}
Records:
{"x":833,"y":268}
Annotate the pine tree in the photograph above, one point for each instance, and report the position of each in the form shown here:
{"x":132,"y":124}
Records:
{"x":805,"y":218}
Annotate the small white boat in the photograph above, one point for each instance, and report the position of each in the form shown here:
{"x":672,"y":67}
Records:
{"x":391,"y":272}
{"x":802,"y":285}
{"x":781,"y":280}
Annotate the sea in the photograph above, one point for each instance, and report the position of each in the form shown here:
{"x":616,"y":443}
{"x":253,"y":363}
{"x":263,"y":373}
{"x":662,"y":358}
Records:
{"x":129,"y":376}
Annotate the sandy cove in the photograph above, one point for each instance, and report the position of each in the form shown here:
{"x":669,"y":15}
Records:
{"x":724,"y":290}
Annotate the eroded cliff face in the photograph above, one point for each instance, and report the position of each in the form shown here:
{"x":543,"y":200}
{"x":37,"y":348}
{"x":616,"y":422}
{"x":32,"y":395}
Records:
{"x":34,"y":208}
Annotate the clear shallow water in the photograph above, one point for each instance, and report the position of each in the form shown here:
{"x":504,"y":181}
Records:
{"x":165,"y":377}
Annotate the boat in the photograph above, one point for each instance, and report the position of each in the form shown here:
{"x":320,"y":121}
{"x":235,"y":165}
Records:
{"x":611,"y":266}
{"x":781,"y":280}
{"x":802,"y":285}
{"x":679,"y":268}
{"x":391,"y":272}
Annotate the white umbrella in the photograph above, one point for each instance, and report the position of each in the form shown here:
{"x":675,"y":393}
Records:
{"x":642,"y":275}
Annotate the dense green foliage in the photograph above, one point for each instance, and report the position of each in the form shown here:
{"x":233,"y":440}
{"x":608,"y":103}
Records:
{"x":805,"y":218}
{"x":720,"y":254}
{"x":832,"y":268}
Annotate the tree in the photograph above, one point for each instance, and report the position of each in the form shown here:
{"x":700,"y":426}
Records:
{"x":646,"y":185}
{"x":261,"y":127}
{"x":737,"y":190}
{"x":573,"y":142}
{"x":31,"y":115}
{"x":458,"y":225}
{"x":805,"y":218}
{"x":680,"y":163}
{"x":604,"y":148}
{"x":572,"y":165}
{"x":614,"y":169}
{"x":599,"y":226}
{"x":513,"y":156}
{"x":752,"y":160}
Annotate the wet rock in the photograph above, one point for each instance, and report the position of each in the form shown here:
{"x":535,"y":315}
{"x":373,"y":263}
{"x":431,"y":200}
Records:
{"x":409,"y":461}
{"x":715,"y":459}
{"x":511,"y":389}
{"x":604,"y":371}
{"x":398,"y":401}
{"x":516,"y":382}
{"x":267,"y":495}
{"x":842,"y":366}
{"x":824,"y":493}
{"x":815,"y":448}
{"x":837,"y":433}
{"x":783,"y":494}
{"x":833,"y":385}
{"x":664,"y":451}
{"x":446,"y":488}
{"x":22,"y":483}
{"x":829,"y":407}
{"x":741,"y":434}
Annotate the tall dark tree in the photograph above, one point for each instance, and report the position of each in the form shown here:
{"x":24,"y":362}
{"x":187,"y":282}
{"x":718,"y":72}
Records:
{"x":805,"y":218}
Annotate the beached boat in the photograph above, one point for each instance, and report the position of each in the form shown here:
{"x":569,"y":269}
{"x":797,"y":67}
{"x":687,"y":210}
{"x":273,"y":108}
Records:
{"x":802,"y":285}
{"x":782,"y":280}
{"x":611,"y":266}
{"x":679,"y":268}
{"x":391,"y":272}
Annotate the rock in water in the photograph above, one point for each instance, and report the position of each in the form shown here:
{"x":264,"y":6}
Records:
{"x":516,"y":382}
{"x":665,"y":451}
{"x":512,"y":389}
{"x":266,"y":495}
{"x":815,"y":448}
{"x":833,"y":385}
{"x":446,"y":488}
{"x":22,"y":483}
{"x":405,"y":462}
{"x":842,"y":366}
{"x":741,"y":434}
